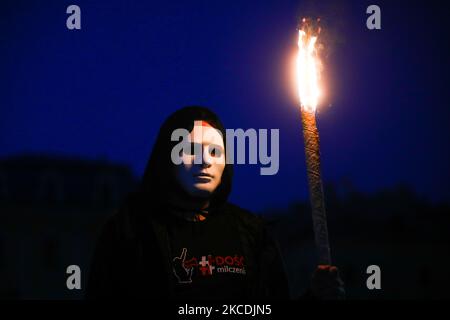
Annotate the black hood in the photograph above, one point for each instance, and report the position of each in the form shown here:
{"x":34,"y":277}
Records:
{"x":158,"y":179}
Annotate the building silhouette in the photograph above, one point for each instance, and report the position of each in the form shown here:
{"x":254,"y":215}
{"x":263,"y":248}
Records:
{"x":51,"y":209}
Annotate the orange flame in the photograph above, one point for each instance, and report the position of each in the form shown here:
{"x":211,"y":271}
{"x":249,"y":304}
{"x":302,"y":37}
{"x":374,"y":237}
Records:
{"x":308,"y":71}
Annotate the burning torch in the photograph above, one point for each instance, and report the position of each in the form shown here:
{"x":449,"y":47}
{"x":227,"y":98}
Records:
{"x":308,"y":71}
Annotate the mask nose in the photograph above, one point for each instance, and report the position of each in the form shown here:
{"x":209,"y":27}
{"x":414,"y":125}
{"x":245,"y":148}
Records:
{"x":206,"y":158}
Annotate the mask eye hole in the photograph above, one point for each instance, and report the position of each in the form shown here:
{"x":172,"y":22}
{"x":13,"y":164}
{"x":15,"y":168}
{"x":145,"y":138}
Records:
{"x":215,"y":151}
{"x":189,"y":149}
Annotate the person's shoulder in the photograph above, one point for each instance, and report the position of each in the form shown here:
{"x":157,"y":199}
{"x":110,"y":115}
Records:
{"x":245,"y":216}
{"x":122,"y":222}
{"x":231,"y":207}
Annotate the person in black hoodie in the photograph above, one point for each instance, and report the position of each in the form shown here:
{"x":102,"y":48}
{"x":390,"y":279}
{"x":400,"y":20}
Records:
{"x":177,"y":236}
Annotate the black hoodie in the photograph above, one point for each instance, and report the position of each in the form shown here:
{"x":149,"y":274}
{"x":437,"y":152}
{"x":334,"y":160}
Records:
{"x":139,"y":247}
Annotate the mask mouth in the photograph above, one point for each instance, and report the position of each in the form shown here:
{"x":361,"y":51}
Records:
{"x":203,"y":174}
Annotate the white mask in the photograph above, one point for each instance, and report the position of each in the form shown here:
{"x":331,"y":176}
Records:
{"x":200,"y":173}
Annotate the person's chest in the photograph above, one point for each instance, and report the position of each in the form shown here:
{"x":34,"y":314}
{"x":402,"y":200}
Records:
{"x":207,"y":259}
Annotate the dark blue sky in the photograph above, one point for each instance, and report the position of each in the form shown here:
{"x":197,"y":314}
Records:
{"x":103,"y":91}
